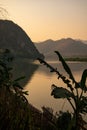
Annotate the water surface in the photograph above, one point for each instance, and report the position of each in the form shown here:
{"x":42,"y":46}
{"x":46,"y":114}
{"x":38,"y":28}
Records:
{"x":39,"y":86}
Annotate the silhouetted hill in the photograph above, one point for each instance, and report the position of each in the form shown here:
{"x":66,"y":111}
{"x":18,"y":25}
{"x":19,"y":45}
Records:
{"x":13,"y":37}
{"x":67,"y":47}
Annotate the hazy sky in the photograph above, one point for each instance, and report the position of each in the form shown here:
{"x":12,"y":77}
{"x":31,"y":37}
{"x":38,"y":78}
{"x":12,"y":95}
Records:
{"x":49,"y":19}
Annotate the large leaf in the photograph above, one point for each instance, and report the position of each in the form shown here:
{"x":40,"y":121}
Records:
{"x":60,"y":92}
{"x":83,"y":80}
{"x":66,"y":67}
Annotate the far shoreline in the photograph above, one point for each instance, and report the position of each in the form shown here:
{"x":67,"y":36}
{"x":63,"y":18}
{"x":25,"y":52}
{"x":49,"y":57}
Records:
{"x":67,"y":60}
{"x":76,"y":59}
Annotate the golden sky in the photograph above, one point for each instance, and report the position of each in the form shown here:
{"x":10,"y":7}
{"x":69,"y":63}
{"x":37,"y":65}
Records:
{"x":49,"y":19}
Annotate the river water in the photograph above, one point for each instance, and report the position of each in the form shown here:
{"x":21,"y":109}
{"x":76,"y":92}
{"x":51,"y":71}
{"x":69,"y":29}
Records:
{"x":39,"y":85}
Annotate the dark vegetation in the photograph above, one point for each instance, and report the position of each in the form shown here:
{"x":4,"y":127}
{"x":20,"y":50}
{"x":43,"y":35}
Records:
{"x":17,"y":113}
{"x":14,"y":111}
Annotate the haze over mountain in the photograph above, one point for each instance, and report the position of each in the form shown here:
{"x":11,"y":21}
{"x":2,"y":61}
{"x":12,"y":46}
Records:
{"x":13,"y":37}
{"x":67,"y":47}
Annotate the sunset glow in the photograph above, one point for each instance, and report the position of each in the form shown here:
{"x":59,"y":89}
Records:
{"x":49,"y":19}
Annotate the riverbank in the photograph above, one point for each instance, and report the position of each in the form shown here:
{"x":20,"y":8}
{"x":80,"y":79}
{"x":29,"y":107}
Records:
{"x":76,"y":59}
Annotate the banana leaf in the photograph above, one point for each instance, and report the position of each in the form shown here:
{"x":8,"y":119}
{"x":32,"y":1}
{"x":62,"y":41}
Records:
{"x":83,"y":80}
{"x":66,"y":67}
{"x":60,"y":92}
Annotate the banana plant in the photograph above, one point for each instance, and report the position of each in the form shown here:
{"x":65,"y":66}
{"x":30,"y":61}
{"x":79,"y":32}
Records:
{"x":76,"y":98}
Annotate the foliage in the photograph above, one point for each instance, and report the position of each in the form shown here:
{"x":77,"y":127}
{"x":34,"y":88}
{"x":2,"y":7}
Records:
{"x":75,"y":92}
{"x":14,"y":108}
{"x":48,"y":119}
{"x":15,"y":111}
{"x":63,"y":121}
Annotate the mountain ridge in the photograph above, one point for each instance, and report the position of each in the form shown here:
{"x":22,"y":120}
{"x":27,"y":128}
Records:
{"x":67,"y":47}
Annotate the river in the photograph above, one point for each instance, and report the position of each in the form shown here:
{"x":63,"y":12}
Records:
{"x":39,"y":86}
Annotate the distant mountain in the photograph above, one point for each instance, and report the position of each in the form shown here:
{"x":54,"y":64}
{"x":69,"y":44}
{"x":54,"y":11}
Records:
{"x":67,"y":47}
{"x":85,"y":41}
{"x":13,"y":37}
